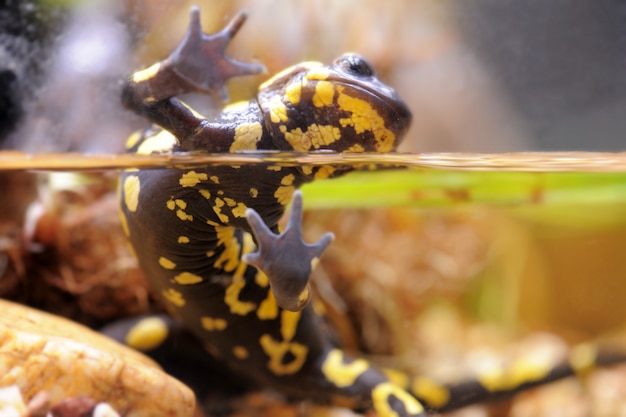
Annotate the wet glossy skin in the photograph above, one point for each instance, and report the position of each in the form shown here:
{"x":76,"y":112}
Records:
{"x":188,"y":227}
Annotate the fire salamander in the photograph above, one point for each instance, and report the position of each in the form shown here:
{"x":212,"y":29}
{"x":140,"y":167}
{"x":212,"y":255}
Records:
{"x":207,"y":239}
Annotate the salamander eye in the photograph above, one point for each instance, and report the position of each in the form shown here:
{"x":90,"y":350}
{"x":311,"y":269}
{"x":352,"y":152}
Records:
{"x":355,"y":64}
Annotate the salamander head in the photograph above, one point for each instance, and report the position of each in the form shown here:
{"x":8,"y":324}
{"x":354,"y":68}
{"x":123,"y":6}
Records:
{"x":342,"y":107}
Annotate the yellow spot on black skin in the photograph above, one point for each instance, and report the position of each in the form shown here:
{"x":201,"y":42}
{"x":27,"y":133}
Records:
{"x":213,"y":324}
{"x":229,"y":261}
{"x":132,"y":187}
{"x":278,"y":111}
{"x":281,"y":76}
{"x":247,"y":135}
{"x":317,"y":74}
{"x":215,"y":179}
{"x":180,"y":206}
{"x":183,"y":216}
{"x":195,"y":113}
{"x":124,"y":223}
{"x":253,"y":192}
{"x":365,"y":119}
{"x":496,"y":377}
{"x":183,"y":239}
{"x":268,"y":308}
{"x":162,"y":142}
{"x":278,"y":350}
{"x":304,"y":297}
{"x":284,"y":193}
{"x":217,"y":209}
{"x":261,"y":279}
{"x":229,"y":258}
{"x":299,"y":141}
{"x":324,"y":172}
{"x":240,"y":210}
{"x":434,"y":394}
{"x":323,"y":135}
{"x":324,"y":94}
{"x":187,"y":278}
{"x":147,"y":334}
{"x":174,"y":297}
{"x":205,"y":193}
{"x":166,"y":263}
{"x":287,"y":179}
{"x":192,"y":178}
{"x":289,"y":323}
{"x":293,"y":93}
{"x":146,"y":74}
{"x":133,"y":139}
{"x":248,"y":246}
{"x":340,"y":373}
{"x":397,"y":377}
{"x":357,"y":147}
{"x":381,"y":395}
{"x":231,"y":298}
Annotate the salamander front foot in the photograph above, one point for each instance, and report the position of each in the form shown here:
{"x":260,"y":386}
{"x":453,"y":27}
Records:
{"x":285,"y":258}
{"x":201,"y":60}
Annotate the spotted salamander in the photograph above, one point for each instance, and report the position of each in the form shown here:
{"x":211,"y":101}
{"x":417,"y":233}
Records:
{"x":207,"y":239}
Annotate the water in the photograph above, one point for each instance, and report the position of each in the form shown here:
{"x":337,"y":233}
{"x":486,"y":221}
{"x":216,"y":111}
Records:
{"x":418,"y":180}
{"x":514,"y":161}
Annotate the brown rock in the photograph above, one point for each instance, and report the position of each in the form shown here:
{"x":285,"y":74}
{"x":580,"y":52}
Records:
{"x":42,"y":352}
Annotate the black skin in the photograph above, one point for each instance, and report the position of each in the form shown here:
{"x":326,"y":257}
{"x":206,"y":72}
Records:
{"x":240,"y":320}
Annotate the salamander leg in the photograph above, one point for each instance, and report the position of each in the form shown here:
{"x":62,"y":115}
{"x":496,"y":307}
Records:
{"x":285,"y":258}
{"x":199,"y":64}
{"x":200,"y":58}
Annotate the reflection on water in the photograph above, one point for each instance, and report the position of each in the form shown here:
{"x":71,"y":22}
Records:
{"x":514,"y":161}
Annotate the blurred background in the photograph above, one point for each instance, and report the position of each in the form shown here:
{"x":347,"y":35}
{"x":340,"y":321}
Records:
{"x":479,"y":75}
